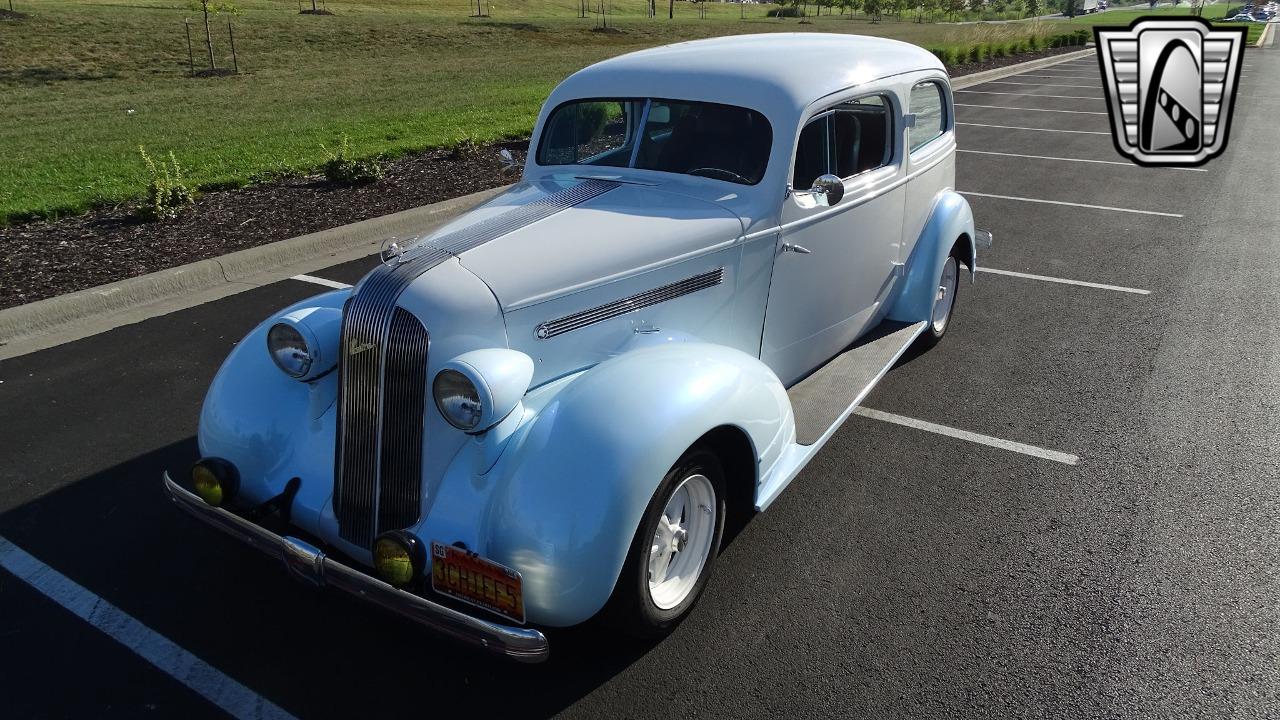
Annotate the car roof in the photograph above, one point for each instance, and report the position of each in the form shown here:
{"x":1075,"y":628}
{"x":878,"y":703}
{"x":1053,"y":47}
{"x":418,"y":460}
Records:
{"x":779,"y":74}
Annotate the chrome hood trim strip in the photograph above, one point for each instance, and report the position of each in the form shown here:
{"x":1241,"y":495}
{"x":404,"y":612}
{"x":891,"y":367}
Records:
{"x":648,"y":298}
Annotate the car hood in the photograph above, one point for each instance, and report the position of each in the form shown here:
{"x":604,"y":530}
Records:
{"x":629,"y":229}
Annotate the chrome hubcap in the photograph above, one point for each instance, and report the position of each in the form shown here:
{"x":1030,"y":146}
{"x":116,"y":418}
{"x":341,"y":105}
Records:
{"x":682,"y":542}
{"x":946,"y":296}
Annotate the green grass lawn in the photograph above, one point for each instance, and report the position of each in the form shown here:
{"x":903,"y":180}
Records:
{"x":1127,"y":15}
{"x":85,"y":82}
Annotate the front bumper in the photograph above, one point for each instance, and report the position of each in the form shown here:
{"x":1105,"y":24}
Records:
{"x":306,"y":562}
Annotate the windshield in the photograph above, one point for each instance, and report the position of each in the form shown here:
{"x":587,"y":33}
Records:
{"x":691,"y":138}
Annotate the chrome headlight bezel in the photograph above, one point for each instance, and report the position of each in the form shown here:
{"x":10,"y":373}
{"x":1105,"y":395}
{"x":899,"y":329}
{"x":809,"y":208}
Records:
{"x":493,"y":379}
{"x":291,"y":350}
{"x":458,"y":398}
{"x":315,"y":334}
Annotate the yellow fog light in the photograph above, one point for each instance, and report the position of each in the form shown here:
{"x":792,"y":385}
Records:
{"x":214,"y":480}
{"x":398,"y":557}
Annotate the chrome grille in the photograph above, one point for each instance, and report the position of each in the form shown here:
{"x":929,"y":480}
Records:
{"x":403,"y":404}
{"x":382,"y":375}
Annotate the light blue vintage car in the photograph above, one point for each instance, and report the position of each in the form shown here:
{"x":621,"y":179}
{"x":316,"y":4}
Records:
{"x":545,"y":411}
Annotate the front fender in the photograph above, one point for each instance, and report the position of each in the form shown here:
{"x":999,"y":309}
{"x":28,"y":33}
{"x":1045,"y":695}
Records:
{"x":571,"y":488}
{"x":950,"y":220}
{"x":272,"y":427}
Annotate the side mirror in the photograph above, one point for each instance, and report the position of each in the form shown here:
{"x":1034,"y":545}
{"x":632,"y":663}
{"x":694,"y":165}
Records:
{"x":827,"y":190}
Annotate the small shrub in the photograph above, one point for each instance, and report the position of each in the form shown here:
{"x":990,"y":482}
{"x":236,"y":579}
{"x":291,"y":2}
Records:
{"x":978,"y":53}
{"x":999,"y":51}
{"x":167,"y":192}
{"x":467,"y":149}
{"x":785,"y":12}
{"x":954,"y":57}
{"x":1034,"y":43}
{"x":342,"y":169}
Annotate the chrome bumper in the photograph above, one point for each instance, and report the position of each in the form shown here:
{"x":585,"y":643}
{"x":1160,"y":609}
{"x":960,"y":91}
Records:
{"x":308,"y":563}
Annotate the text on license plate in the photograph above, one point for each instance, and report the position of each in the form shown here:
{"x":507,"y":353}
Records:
{"x":472,"y":579}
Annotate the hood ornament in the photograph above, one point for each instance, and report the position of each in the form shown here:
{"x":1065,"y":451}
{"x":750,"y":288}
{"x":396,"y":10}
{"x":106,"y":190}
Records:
{"x":391,"y":252}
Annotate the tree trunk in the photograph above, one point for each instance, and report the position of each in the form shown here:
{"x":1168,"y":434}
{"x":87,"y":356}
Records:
{"x":671,"y":9}
{"x":208,"y":35}
{"x":314,"y":9}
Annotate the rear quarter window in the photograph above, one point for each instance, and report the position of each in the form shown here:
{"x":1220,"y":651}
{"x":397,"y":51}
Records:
{"x":929,"y":104}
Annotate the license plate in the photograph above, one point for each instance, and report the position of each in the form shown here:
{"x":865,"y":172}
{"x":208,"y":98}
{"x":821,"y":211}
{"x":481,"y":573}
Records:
{"x":466,"y":576}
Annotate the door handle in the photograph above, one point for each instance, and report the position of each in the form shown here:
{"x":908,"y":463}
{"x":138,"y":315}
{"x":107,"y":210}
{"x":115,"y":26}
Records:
{"x":788,"y":247}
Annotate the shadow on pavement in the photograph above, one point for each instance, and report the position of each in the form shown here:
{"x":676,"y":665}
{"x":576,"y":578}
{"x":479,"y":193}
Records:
{"x":309,"y":650}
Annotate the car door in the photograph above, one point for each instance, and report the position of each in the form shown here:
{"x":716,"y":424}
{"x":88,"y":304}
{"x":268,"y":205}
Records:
{"x":835,"y":266}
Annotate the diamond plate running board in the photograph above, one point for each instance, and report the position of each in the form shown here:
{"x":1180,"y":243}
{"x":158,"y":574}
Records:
{"x":831,"y":392}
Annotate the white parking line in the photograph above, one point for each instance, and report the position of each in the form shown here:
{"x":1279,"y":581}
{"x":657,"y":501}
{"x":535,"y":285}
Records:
{"x":1062,"y":97}
{"x":1070,"y":204}
{"x":995,"y":442}
{"x":1059,"y":77}
{"x":1008,"y":107}
{"x":1064,"y":281}
{"x":234,"y":698}
{"x":321,"y":281}
{"x":1036,"y":84}
{"x":1017,"y":127}
{"x":1083,"y":160}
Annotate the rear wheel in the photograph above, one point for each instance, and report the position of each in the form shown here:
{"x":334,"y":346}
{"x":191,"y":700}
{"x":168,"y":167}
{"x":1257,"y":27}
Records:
{"x":944,"y":302}
{"x":674,"y":548}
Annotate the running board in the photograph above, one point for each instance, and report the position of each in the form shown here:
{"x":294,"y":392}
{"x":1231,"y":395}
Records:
{"x":825,"y":398}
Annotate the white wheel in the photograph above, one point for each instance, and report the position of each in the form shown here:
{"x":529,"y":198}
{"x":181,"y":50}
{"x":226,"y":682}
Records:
{"x":682,"y":542}
{"x":674,"y":549}
{"x":946,"y":298}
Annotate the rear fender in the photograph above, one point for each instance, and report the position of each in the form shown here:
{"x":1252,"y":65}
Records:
{"x":951,"y":220}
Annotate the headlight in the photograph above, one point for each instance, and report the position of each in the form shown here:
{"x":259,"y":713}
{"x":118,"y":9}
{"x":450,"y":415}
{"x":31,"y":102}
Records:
{"x":289,"y":350}
{"x":458,"y":399}
{"x":304,"y":343}
{"x":478,"y":389}
{"x":214,"y":480}
{"x":398,"y":557}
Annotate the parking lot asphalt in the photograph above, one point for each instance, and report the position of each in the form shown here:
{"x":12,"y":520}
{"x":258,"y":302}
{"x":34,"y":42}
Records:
{"x":905,"y":573}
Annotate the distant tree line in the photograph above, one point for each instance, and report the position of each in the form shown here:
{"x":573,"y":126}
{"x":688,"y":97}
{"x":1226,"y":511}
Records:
{"x":924,"y":10}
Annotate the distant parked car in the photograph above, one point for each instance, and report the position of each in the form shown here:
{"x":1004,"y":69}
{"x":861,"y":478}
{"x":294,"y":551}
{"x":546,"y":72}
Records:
{"x":550,"y":406}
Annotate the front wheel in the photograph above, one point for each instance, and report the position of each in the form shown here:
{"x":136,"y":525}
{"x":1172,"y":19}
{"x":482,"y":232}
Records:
{"x":944,"y":303}
{"x":674,"y":548}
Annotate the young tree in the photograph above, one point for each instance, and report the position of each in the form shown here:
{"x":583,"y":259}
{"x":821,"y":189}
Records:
{"x":214,"y":7}
{"x":1033,"y":8}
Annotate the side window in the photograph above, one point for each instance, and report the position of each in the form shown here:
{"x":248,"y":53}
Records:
{"x":863,"y":139}
{"x":931,"y":113}
{"x":851,"y":138}
{"x":811,"y":153}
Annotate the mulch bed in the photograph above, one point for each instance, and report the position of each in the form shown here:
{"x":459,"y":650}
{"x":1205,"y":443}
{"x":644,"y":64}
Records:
{"x":993,"y":63}
{"x":42,"y":259}
{"x":46,"y":258}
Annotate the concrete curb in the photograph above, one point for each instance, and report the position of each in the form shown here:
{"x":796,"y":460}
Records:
{"x":64,"y":318}
{"x":978,"y":78}
{"x":46,"y":323}
{"x":1262,"y":39}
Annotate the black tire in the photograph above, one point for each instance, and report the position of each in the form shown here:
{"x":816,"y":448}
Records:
{"x":933,"y":333}
{"x":631,"y":609}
